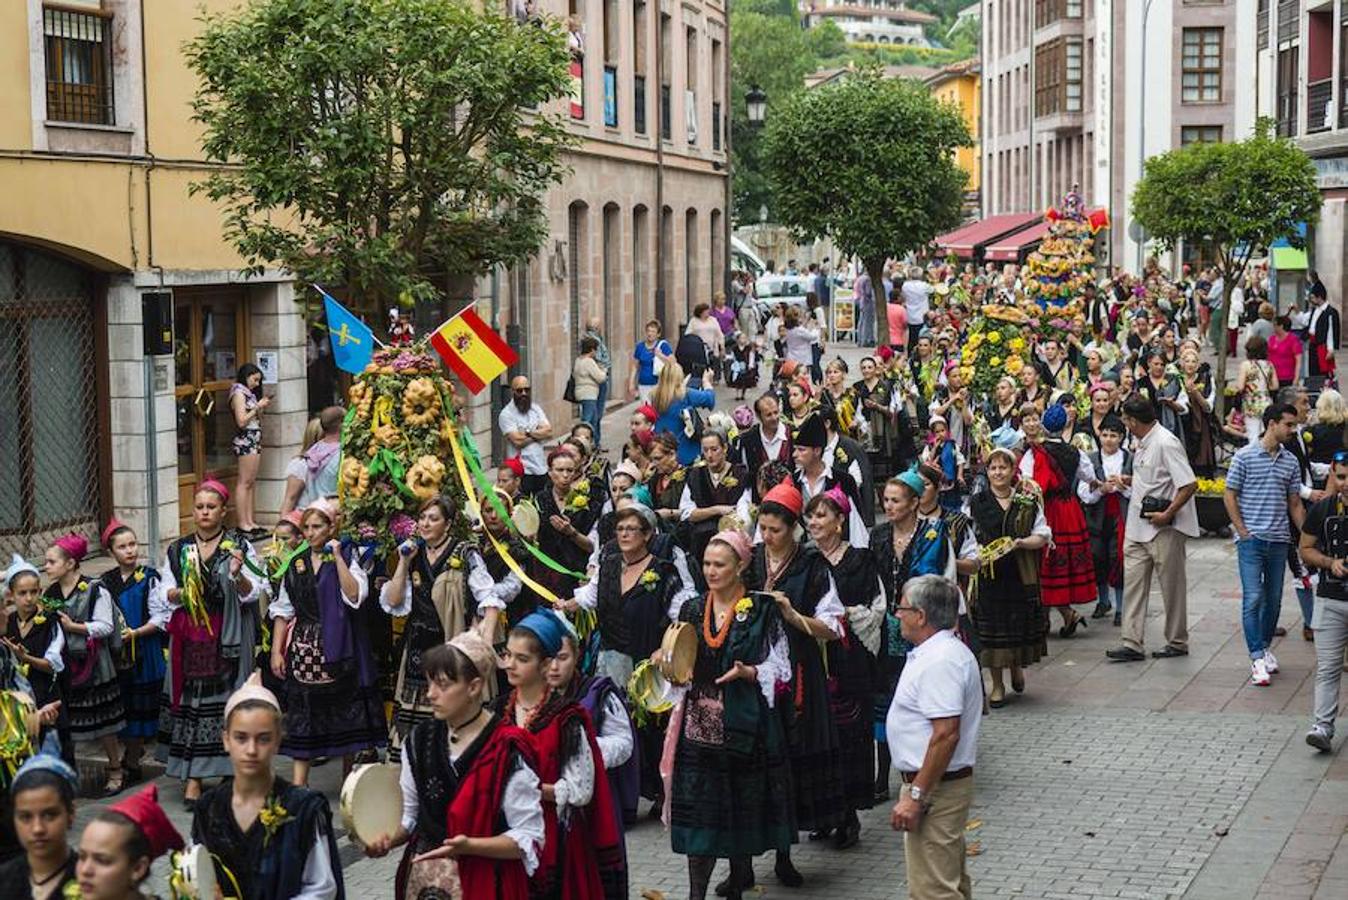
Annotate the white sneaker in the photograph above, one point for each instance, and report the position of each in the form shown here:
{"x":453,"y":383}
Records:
{"x":1259,"y":673}
{"x":1270,"y":662}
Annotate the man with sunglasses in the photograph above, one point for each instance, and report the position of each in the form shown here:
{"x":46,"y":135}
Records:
{"x":526,"y":427}
{"x":1324,"y":546}
{"x":932,"y":732}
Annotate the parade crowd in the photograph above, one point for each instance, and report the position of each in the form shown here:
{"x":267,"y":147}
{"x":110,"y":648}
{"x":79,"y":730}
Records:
{"x":847,"y":553}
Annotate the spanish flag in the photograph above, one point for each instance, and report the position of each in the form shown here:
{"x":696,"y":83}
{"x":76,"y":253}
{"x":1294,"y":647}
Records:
{"x":475,"y":352}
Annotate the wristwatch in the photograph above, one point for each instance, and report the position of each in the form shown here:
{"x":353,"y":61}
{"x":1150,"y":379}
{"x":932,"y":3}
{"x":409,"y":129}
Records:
{"x":917,"y":794}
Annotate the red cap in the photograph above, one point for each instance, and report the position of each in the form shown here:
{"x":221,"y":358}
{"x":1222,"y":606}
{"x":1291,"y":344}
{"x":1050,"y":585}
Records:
{"x":75,"y":546}
{"x":788,"y":495}
{"x":113,"y":524}
{"x":885,"y":352}
{"x":144,"y":810}
{"x":649,"y":412}
{"x":515,"y":465}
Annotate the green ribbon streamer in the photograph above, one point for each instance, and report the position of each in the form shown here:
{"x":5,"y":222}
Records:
{"x":285,"y":563}
{"x":387,"y":462}
{"x":475,"y":467}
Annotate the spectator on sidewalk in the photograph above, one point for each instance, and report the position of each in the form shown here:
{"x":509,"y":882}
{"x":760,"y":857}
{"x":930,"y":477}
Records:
{"x":526,"y":427}
{"x":318,"y":463}
{"x":650,"y":356}
{"x":589,"y":378}
{"x":1262,"y":491}
{"x":1154,"y":539}
{"x":917,"y":300}
{"x":1324,"y":328}
{"x":932,"y":732}
{"x":898,"y":322}
{"x":593,"y":329}
{"x":863,"y":295}
{"x":1324,"y":546}
{"x":297,"y":470}
{"x":1284,"y":351}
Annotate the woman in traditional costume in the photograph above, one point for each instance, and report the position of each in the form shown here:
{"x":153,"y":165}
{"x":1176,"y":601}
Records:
{"x":713,"y":488}
{"x":850,"y":659}
{"x":567,"y":511}
{"x":904,"y":547}
{"x":635,"y":594}
{"x":270,"y":840}
{"x":40,"y":811}
{"x":212,"y":629}
{"x":665,"y":481}
{"x":1107,"y":516}
{"x":1064,"y":475}
{"x":332,"y":704}
{"x":92,"y":698}
{"x":472,"y":816}
{"x":730,"y":780}
{"x":141,"y":671}
{"x":796,"y":578}
{"x":582,"y":852}
{"x":430,"y":587}
{"x":879,"y":428}
{"x":120,"y":845}
{"x":1012,"y":626}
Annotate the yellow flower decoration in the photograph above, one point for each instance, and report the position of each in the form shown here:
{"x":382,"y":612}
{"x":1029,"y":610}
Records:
{"x":1014,"y":364}
{"x":931,"y":534}
{"x":71,"y":891}
{"x":730,"y":481}
{"x":995,"y":361}
{"x":582,"y":486}
{"x":580,"y":502}
{"x":649,"y":579}
{"x":994,"y":337}
{"x":677,"y":475}
{"x":743,"y":607}
{"x":139,"y":575}
{"x":456,"y":562}
{"x":84,"y":585}
{"x":1016,"y":344}
{"x":272,"y":816}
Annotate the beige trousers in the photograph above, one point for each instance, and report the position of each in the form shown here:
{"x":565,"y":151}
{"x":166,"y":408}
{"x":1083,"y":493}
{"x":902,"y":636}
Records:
{"x":934,"y":853}
{"x":1164,"y":555}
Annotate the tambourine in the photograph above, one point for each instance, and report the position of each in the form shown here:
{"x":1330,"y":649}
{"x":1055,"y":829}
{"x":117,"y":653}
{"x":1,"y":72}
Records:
{"x":991,"y":552}
{"x":525,"y":517}
{"x":678,"y":652}
{"x":371,"y":803}
{"x":647,"y":689}
{"x":193,"y":876}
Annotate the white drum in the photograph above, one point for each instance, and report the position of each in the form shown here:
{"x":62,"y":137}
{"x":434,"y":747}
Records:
{"x":372,"y":802}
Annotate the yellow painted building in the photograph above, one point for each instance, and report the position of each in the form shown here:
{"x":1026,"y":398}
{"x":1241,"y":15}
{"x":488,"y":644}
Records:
{"x":97,"y":226}
{"x":959,"y":83}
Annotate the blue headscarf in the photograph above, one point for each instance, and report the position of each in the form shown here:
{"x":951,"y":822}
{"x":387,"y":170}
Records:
{"x":913,"y":481}
{"x":548,"y":627}
{"x":1055,"y":418}
{"x":48,"y":759}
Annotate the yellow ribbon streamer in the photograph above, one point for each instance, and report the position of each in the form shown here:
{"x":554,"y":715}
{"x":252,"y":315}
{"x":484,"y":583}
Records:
{"x":461,"y":466}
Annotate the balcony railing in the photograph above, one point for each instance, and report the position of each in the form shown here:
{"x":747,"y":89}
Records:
{"x":1319,"y":105}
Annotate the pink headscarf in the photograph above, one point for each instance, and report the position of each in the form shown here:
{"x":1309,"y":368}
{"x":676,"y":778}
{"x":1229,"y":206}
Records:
{"x":736,"y":540}
{"x":74,"y":545}
{"x":836,"y":494}
{"x":216,"y":487}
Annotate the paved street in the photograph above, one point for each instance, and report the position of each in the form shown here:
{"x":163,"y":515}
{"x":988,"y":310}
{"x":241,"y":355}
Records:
{"x":1168,"y":778}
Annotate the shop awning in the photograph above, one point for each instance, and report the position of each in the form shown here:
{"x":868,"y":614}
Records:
{"x":1288,"y":258}
{"x":1009,"y":248}
{"x":967,"y":240}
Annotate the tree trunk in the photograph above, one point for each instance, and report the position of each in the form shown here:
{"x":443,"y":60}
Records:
{"x":875,"y":267}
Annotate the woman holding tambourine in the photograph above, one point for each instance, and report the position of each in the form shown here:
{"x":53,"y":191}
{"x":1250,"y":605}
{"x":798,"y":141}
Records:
{"x":725,"y":750}
{"x":1011,"y":529}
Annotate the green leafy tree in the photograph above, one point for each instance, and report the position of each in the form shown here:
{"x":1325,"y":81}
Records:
{"x":1236,"y":197}
{"x":378,"y":144}
{"x":868,"y":161}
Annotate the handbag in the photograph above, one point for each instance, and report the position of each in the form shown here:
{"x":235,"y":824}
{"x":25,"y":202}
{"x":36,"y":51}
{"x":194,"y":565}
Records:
{"x":1152,"y":505}
{"x":569,"y":394}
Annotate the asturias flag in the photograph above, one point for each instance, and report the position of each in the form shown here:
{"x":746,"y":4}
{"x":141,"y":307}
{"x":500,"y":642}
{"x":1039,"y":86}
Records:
{"x":352,"y":340}
{"x":470,"y":347}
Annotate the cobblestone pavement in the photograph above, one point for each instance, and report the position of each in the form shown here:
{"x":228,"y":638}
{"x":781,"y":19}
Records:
{"x":1166,"y":778}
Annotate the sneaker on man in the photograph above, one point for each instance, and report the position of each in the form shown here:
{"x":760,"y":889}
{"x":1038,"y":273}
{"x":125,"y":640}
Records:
{"x":1259,"y":674}
{"x":1320,"y":738}
{"x":1270,"y":662}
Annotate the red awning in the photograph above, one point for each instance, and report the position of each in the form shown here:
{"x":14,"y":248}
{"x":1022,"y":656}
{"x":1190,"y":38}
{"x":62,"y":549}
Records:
{"x":965,"y":241}
{"x":1009,"y":247}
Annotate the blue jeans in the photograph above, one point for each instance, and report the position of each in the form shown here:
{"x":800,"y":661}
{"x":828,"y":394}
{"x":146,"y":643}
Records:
{"x":589,"y":412}
{"x":1262,"y":567}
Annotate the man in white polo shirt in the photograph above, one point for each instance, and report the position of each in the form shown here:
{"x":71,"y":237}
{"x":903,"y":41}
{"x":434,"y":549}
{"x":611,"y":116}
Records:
{"x":932,"y":730}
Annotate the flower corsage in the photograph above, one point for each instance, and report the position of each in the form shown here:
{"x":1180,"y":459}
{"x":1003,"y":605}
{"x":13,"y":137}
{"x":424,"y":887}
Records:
{"x":742,"y":609}
{"x":272,"y":816}
{"x":649,"y":579}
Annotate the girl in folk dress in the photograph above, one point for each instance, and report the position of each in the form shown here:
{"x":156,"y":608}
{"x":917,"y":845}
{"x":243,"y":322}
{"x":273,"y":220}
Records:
{"x":121,"y":843}
{"x":333,"y":707}
{"x":295,"y":858}
{"x":442,"y":588}
{"x":582,"y":853}
{"x":34,"y":640}
{"x":472,"y":815}
{"x":93,"y":697}
{"x":212,"y":628}
{"x":136,"y":589}
{"x":39,"y":806}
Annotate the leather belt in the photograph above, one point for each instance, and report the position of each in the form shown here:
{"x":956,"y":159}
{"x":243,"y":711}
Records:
{"x":966,"y":772}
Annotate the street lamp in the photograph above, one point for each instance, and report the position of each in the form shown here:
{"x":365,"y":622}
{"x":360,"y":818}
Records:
{"x":756,"y":102}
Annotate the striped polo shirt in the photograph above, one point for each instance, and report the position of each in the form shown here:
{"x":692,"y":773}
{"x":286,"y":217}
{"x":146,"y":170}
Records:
{"x":1262,"y":483}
